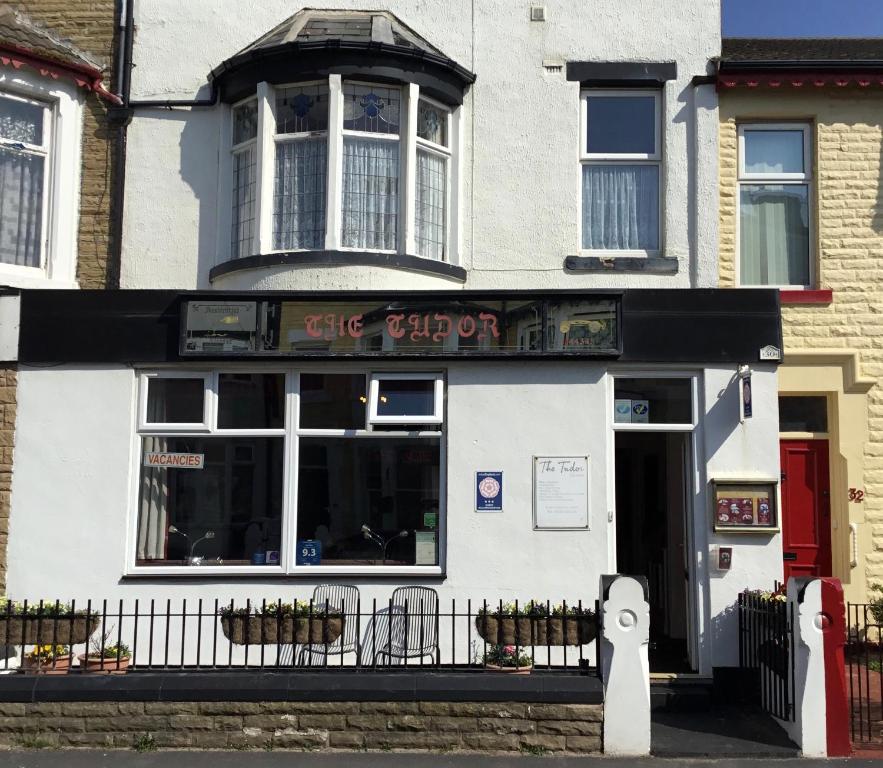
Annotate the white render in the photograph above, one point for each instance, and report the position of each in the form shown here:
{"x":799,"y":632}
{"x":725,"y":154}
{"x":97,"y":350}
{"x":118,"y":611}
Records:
{"x":519,"y":193}
{"x":73,"y":498}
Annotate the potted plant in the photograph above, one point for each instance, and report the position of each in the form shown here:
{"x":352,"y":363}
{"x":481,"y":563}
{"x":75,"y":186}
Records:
{"x":536,"y":623}
{"x":44,"y":623}
{"x":509,"y":659}
{"x":105,"y":658}
{"x":287,"y":623}
{"x":47,"y":659}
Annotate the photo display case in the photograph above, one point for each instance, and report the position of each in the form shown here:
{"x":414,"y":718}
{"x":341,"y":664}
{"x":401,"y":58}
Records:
{"x":745,"y":506}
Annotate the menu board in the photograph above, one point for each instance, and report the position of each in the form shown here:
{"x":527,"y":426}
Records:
{"x":561,"y":492}
{"x":745,"y":506}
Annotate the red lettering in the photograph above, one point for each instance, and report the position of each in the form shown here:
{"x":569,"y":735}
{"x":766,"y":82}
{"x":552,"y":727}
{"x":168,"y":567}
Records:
{"x":329,"y":324}
{"x":440,"y":334}
{"x":414,"y":322}
{"x":488,"y":320}
{"x":466,"y":329}
{"x":311,"y":323}
{"x":393,"y":326}
{"x":354,"y":326}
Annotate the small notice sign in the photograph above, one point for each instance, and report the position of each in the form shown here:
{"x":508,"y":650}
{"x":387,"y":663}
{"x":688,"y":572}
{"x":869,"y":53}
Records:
{"x":309,"y":552}
{"x":163,"y":460}
{"x":488,"y":491}
{"x":561,"y":492}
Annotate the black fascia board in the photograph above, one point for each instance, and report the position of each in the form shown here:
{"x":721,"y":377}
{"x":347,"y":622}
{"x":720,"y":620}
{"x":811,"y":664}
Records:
{"x":439,"y":76}
{"x":622,"y":74}
{"x":670,"y":325}
{"x":799,"y":65}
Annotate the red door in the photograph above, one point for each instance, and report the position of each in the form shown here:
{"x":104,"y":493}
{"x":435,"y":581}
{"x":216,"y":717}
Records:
{"x":806,"y":508}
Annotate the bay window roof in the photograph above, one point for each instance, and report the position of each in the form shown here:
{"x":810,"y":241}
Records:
{"x":315,"y":43}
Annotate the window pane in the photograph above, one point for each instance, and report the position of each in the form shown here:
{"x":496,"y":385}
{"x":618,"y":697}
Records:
{"x":803,"y":414}
{"x":244,"y":189}
{"x":621,"y":124}
{"x":388,"y":484}
{"x":431,"y":193}
{"x":332,"y":401}
{"x":432,"y":123}
{"x":774,"y":151}
{"x":302,"y":109}
{"x":370,"y":193}
{"x":226,"y":504}
{"x":21,"y":121}
{"x":245,"y":122}
{"x":251,"y":401}
{"x":406,"y":397}
{"x":21,"y":207}
{"x":621,"y":207}
{"x":299,"y":203}
{"x":175,"y":401}
{"x":371,"y":108}
{"x":652,"y":401}
{"x":774,"y":234}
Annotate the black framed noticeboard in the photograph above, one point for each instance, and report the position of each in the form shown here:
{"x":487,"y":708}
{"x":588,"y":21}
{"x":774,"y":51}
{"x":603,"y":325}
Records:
{"x":745,"y":506}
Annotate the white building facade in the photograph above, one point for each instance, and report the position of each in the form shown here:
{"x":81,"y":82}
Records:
{"x":444,"y":272}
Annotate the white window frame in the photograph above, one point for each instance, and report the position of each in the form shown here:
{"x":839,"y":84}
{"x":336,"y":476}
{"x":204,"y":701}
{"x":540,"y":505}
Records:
{"x":62,"y":126}
{"x":208,"y":402}
{"x":436,"y":417}
{"x":783,"y":179}
{"x":654,"y":158}
{"x":267,"y":141}
{"x":291,"y":433}
{"x":235,"y":150}
{"x":209,"y":429}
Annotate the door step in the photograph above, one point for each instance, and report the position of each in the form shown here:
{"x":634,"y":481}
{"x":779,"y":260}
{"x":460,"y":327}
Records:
{"x":683,"y":694}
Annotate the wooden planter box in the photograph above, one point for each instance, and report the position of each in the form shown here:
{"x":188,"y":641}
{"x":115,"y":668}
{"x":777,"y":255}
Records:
{"x":536,"y":630}
{"x":285,"y":630}
{"x":47,"y":630}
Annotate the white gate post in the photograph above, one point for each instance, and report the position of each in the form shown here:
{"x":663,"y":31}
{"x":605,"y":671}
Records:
{"x":625,"y":666}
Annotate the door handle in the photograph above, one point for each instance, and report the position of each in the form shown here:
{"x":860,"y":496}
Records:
{"x":789,"y":555}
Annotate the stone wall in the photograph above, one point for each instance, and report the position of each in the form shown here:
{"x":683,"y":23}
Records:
{"x":90,"y":26}
{"x":7,"y":436}
{"x":439,"y":726}
{"x":847,"y":240}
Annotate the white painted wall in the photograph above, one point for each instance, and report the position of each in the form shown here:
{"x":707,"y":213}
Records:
{"x":73,"y":465}
{"x":520,"y":196}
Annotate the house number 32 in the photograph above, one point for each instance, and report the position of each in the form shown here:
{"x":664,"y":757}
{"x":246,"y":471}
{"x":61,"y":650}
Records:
{"x":856,"y":496}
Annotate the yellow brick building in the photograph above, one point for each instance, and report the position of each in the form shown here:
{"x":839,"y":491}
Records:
{"x":831,"y":92}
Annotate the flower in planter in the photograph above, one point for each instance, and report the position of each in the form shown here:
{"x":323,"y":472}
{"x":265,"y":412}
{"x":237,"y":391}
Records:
{"x":99,"y":648}
{"x":296,"y":609}
{"x":45,"y":654}
{"x":506,"y":656}
{"x":534,"y":609}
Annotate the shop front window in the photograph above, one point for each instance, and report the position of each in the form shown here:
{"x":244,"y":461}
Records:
{"x":227,"y":481}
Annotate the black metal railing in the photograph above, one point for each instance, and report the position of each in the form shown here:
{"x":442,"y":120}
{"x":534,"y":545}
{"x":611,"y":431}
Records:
{"x":366,"y":635}
{"x":864,"y":671}
{"x":765,"y":646}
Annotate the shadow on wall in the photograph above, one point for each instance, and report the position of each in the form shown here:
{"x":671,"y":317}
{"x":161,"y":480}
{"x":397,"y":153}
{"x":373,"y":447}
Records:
{"x":725,"y":636}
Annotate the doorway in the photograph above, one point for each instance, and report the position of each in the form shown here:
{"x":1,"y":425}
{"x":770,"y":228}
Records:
{"x":651,"y":536}
{"x":806,"y":508}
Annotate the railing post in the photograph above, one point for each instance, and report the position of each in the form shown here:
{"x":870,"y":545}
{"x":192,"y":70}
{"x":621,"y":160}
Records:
{"x":625,"y":665}
{"x":820,"y":724}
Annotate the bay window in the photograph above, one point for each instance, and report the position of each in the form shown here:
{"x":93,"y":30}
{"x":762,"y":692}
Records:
{"x":621,"y":158}
{"x":349,"y":164}
{"x":774,"y":205}
{"x":243,"y":471}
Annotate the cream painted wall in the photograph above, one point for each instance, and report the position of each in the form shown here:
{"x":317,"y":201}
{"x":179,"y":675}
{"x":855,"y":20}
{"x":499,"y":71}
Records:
{"x":520,"y":196}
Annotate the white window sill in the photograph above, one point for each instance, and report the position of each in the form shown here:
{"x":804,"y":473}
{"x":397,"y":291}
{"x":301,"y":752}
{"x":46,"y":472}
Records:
{"x":602,"y":254}
{"x":322,"y":571}
{"x":33,"y":278}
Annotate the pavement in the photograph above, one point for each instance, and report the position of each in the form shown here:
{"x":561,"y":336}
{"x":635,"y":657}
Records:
{"x":125,"y":759}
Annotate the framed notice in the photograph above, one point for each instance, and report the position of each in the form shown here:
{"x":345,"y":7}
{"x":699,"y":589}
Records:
{"x":747,"y":506}
{"x":560,"y":492}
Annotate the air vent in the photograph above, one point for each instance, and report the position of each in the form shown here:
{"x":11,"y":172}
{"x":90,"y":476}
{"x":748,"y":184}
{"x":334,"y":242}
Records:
{"x":538,"y":13}
{"x":553,"y":65}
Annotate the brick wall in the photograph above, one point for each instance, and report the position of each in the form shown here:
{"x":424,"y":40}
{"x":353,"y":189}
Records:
{"x":90,"y":26}
{"x":439,"y":726}
{"x":7,"y":434}
{"x":848,"y":141}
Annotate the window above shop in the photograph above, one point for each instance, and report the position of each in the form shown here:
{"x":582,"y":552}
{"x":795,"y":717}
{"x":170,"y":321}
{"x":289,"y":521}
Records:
{"x":775,"y":204}
{"x":803,"y":413}
{"x":667,"y":402}
{"x":621,"y":154}
{"x":340,"y":144}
